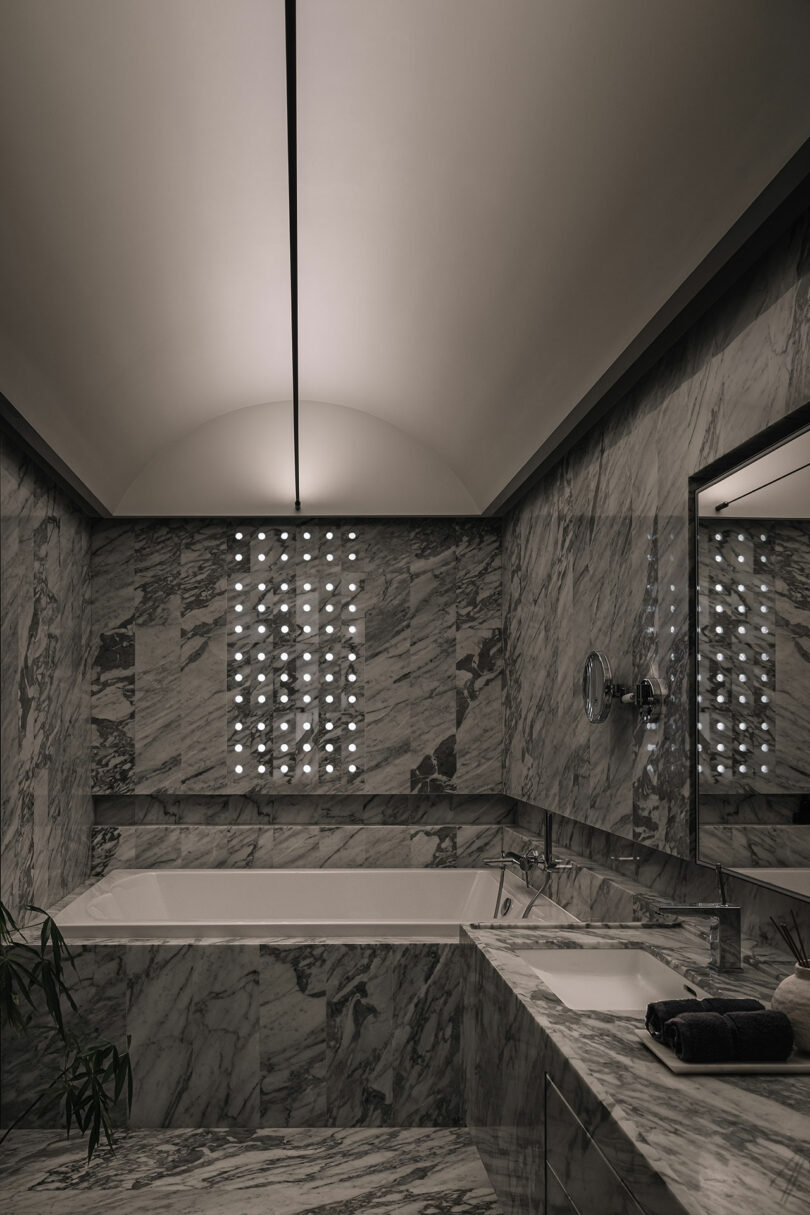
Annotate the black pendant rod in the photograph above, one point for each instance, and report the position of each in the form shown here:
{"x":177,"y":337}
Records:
{"x":292,"y":173}
{"x":747,"y":494}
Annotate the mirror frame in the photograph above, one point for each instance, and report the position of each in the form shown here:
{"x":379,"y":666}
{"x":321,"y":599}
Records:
{"x":772,"y":436}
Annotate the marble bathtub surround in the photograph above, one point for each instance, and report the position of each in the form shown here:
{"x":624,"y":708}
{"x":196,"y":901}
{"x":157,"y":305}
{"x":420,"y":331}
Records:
{"x":430,"y":602}
{"x":222,"y":1172}
{"x":45,"y":805}
{"x":596,"y":556}
{"x":290,"y":845}
{"x":730,"y":1146}
{"x":293,"y":1033}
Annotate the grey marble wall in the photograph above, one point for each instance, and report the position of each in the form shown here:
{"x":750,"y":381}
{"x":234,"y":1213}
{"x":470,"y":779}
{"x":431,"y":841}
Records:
{"x":292,"y":845}
{"x":45,"y":804}
{"x":430,"y":669}
{"x":275,"y":1035}
{"x":596,"y":557}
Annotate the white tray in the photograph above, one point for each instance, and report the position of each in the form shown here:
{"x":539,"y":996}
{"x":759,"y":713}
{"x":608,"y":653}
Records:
{"x":798,"y":1063}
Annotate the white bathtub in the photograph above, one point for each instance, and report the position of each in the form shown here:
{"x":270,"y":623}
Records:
{"x":427,"y":903}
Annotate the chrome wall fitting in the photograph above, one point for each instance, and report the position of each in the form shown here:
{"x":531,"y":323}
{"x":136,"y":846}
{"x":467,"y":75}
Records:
{"x":599,"y":691}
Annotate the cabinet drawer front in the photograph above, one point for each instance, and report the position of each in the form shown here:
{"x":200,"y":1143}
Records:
{"x":592,"y":1184}
{"x":557,"y":1201}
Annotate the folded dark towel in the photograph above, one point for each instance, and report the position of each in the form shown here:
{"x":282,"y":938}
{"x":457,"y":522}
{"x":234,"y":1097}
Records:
{"x":662,"y":1011}
{"x":718,"y":1004}
{"x":701,"y":1037}
{"x":761,"y":1037}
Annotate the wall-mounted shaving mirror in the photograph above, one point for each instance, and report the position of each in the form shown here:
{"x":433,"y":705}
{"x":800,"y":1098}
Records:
{"x":597,"y":687}
{"x":752,"y":528}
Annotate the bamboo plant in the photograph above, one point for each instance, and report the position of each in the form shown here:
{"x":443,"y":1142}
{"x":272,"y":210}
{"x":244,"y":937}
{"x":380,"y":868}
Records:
{"x":87,"y":1079}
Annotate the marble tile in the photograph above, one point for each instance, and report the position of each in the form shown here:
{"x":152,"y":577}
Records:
{"x":218,"y":847}
{"x":112,"y":848}
{"x":475,"y":843}
{"x":426,"y":1038}
{"x":359,"y":1022}
{"x":193,"y":1015}
{"x":433,"y":847}
{"x":292,"y":985}
{"x":479,"y":695}
{"x":222,"y":1172}
{"x":432,"y":696}
{"x":756,"y":845}
{"x":45,"y":805}
{"x":597,"y":556}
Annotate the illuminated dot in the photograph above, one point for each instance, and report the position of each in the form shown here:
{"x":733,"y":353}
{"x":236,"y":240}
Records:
{"x":329,"y":747}
{"x":239,"y":699}
{"x":352,"y":586}
{"x":284,"y":698}
{"x":261,"y":769}
{"x":284,"y":768}
{"x":262,"y":628}
{"x":307,"y":628}
{"x":352,"y":725}
{"x":352,"y":628}
{"x":764,"y":768}
{"x":330,"y":725}
{"x":307,"y":746}
{"x":763,"y":608}
{"x":330,"y":535}
{"x":261,"y":699}
{"x":285,"y":535}
{"x":237,"y":586}
{"x":284,"y":747}
{"x":307,"y":698}
{"x":261,"y":678}
{"x":717,"y":557}
{"x":239,"y":607}
{"x":262,"y":656}
{"x":238,"y":769}
{"x":329,"y":678}
{"x":262,"y":586}
{"x":718,"y":608}
{"x":238,"y":747}
{"x":284,"y":678}
{"x":330,"y":586}
{"x":284,"y":725}
{"x":262,"y":607}
{"x":285,"y":586}
{"x":352,"y":535}
{"x":353,"y":608}
{"x":329,"y":607}
{"x":330,"y":628}
{"x":352,"y":767}
{"x":284,"y":557}
{"x":351,"y":678}
{"x":307,"y":535}
{"x":741,"y":628}
{"x":261,"y":747}
{"x":351,"y":699}
{"x":238,"y":726}
{"x":238,"y":535}
{"x":718,"y":535}
{"x":330,"y":557}
{"x":352,"y":657}
{"x":262,"y":557}
{"x":285,"y":628}
{"x":721,"y":747}
{"x":352,"y":746}
{"x":307,"y":656}
{"x":352,"y":556}
{"x":329,"y":656}
{"x":238,"y":556}
{"x":284,"y":607}
{"x":307,"y":725}
{"x":307,"y":556}
{"x":307,"y":768}
{"x":307,"y":678}
{"x":307,"y":607}
{"x":238,"y":678}
{"x":330,"y":768}
{"x":329,"y":699}
{"x":719,"y":657}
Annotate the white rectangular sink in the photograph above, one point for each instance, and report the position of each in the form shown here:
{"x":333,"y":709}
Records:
{"x":611,"y":980}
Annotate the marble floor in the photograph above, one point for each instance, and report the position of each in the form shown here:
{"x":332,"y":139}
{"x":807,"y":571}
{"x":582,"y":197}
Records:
{"x":411,"y":1171}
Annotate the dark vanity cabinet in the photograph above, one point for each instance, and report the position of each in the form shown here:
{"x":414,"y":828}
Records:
{"x":578,"y":1177}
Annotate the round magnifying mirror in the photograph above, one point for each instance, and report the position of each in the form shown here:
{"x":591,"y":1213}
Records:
{"x":597,"y":687}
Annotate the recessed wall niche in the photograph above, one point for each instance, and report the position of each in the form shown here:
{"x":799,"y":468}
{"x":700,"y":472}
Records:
{"x":295,"y":623}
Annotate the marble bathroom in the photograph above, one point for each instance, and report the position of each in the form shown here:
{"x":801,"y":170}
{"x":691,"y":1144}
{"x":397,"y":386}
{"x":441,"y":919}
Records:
{"x":317,"y":796}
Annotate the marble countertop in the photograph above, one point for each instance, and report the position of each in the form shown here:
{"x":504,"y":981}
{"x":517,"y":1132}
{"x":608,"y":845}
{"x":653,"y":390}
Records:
{"x":722,"y":1145}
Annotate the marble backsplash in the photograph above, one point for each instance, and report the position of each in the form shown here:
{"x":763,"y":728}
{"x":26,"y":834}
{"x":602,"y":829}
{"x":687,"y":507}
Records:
{"x":597,"y":557}
{"x":291,"y":846}
{"x":431,"y":667}
{"x":45,"y":805}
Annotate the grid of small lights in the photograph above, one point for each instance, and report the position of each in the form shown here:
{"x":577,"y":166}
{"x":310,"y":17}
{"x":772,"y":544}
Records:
{"x":295,"y":654}
{"x":736,"y":655}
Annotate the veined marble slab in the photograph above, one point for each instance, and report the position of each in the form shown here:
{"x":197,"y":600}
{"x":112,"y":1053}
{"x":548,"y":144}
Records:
{"x":708,"y":1146}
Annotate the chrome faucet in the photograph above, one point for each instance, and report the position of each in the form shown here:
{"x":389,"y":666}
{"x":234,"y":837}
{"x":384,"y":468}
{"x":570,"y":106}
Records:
{"x":725,"y":926}
{"x":526,"y":861}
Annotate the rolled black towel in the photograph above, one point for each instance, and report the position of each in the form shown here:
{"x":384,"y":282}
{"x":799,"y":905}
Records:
{"x":662,"y":1011}
{"x":702,"y":1037}
{"x":718,"y":1004}
{"x":761,"y":1037}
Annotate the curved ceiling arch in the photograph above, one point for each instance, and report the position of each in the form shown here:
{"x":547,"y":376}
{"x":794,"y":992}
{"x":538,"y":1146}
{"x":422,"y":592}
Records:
{"x":353,"y":463}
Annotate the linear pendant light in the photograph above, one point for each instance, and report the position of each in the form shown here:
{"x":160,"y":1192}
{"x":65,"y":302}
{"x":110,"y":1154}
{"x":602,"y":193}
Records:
{"x":292,"y":174}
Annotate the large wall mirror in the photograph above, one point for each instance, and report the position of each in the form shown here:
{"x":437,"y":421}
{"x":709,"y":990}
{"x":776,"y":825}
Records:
{"x":752,"y":526}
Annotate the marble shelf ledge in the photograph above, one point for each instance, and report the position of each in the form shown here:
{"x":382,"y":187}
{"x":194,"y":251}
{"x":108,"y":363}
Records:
{"x":709,"y":1145}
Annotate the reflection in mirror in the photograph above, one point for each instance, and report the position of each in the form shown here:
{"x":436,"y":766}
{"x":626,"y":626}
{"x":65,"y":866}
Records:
{"x":753,"y":667}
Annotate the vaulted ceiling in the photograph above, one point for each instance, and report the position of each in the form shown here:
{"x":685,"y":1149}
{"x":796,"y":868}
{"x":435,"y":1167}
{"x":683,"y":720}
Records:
{"x":495,"y":196}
